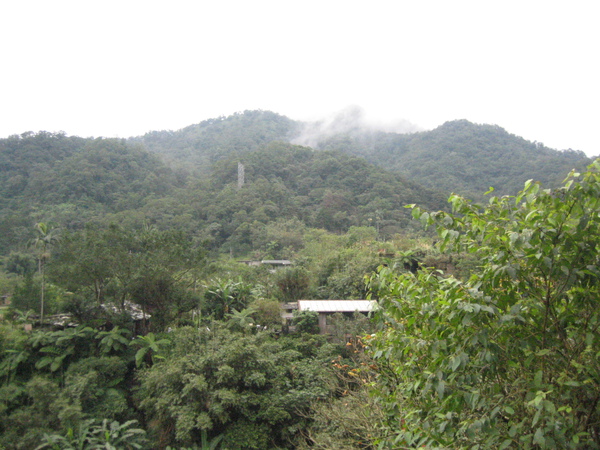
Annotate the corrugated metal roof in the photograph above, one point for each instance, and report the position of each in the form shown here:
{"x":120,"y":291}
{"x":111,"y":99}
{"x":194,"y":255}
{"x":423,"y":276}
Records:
{"x":336,"y":305}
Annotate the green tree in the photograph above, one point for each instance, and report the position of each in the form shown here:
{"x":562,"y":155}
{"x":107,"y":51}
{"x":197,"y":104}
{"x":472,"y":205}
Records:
{"x":26,"y":294}
{"x":306,"y":321}
{"x":268,"y":312}
{"x":20,"y":263}
{"x":251,"y":389}
{"x":86,"y":261}
{"x":154,"y":268}
{"x":507,"y":359}
{"x":293,"y":283}
{"x":46,"y":238}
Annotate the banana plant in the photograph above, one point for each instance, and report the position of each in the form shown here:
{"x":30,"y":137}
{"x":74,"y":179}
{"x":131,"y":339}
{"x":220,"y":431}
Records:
{"x":241,"y":320}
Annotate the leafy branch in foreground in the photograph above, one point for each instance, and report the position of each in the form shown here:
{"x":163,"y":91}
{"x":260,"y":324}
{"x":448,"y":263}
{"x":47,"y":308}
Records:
{"x":508,"y":358}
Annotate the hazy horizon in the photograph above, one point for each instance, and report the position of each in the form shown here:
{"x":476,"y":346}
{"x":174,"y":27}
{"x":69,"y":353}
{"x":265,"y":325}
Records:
{"x":121,"y":69}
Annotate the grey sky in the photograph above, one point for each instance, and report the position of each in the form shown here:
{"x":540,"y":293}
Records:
{"x":121,"y":68}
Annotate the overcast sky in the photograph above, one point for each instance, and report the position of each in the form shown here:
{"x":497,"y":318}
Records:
{"x":122,"y":68}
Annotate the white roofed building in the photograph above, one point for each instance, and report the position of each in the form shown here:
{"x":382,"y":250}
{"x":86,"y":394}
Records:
{"x":327,"y":308}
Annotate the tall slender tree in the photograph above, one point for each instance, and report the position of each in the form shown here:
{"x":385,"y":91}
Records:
{"x":46,"y":237}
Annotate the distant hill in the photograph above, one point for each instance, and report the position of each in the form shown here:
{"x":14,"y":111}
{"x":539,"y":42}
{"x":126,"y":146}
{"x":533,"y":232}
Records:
{"x":458,"y":156}
{"x":71,"y":182}
{"x":463,"y":157}
{"x":187,"y":179}
{"x":215,"y":139}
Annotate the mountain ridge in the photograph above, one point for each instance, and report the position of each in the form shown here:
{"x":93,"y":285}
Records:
{"x":458,"y":156}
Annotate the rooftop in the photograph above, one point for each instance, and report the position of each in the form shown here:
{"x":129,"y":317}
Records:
{"x":336,"y":305}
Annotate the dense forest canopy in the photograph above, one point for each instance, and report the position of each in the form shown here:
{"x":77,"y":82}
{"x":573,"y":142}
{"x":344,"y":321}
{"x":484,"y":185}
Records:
{"x":71,"y":181}
{"x":187,"y":179}
{"x":77,"y":181}
{"x":142,"y":312}
{"x":458,"y":156}
{"x":463,"y":157}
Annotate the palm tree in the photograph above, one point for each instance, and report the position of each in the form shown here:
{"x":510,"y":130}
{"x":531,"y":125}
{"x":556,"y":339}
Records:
{"x":46,"y":237}
{"x":114,"y":340}
{"x":149,"y":348}
{"x":241,"y":320}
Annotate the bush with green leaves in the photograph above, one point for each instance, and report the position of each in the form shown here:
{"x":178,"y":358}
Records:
{"x":509,"y":358}
{"x":267,"y":313}
{"x":253,"y":390}
{"x":27,"y":293}
{"x":96,"y":435}
{"x":306,"y":321}
{"x":343,"y":328}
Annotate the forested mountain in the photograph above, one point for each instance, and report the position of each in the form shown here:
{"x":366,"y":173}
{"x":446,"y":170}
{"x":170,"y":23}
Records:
{"x":156,"y":178}
{"x":73,"y":181}
{"x":458,"y":156}
{"x":462,"y":157}
{"x":326,"y":190}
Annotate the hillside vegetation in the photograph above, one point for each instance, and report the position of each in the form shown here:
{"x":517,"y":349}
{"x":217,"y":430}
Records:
{"x":463,"y":157}
{"x":458,"y":156}
{"x":72,"y":181}
{"x":214,"y":139}
{"x":143,"y":313}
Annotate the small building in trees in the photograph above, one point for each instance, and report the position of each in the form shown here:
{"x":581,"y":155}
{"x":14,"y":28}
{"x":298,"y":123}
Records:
{"x":327,"y":308}
{"x":287,"y":311}
{"x":273,"y":264}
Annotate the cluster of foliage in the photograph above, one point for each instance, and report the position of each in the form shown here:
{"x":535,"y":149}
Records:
{"x":354,"y":418}
{"x":54,"y":380}
{"x":214,"y":356}
{"x":52,"y":178}
{"x":152,"y":268}
{"x":253,"y":390}
{"x":508,"y":358}
{"x":85,"y":388}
